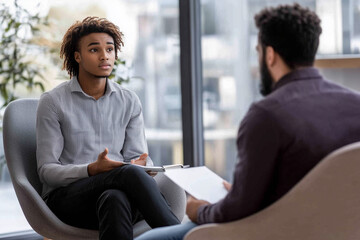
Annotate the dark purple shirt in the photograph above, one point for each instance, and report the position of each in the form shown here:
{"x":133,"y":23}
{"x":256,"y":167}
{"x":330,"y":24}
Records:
{"x":284,"y":136}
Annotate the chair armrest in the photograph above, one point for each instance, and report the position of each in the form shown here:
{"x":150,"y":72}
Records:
{"x":224,"y":231}
{"x":173,"y":194}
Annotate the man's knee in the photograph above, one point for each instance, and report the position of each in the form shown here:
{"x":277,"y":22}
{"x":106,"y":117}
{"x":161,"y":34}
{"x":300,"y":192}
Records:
{"x":134,"y":170}
{"x":134,"y":173}
{"x":130,"y":179}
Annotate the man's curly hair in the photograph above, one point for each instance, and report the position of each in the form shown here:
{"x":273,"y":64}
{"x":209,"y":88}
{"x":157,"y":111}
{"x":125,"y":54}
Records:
{"x":293,"y":32}
{"x":70,"y":43}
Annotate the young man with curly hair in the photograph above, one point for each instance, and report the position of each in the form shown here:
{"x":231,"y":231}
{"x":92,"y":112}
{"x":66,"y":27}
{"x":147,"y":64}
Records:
{"x":86,"y":128}
{"x":283,"y":136}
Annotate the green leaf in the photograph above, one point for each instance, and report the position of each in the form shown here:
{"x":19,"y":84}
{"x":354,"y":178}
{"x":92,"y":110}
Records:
{"x":4,"y":93}
{"x":40,"y":85}
{"x":35,"y":29}
{"x":17,"y":25}
{"x":9,"y":25}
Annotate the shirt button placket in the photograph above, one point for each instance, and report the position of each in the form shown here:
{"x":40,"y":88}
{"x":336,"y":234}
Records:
{"x":99,"y":123}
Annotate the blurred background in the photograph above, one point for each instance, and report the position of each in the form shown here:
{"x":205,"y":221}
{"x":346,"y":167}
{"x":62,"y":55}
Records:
{"x":31,"y":34}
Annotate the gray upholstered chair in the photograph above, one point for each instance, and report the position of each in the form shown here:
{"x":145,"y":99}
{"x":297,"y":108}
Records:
{"x":325,"y":204}
{"x":20,"y":153}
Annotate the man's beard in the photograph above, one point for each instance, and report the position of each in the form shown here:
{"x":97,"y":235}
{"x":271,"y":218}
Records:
{"x":266,"y":79}
{"x":97,"y":76}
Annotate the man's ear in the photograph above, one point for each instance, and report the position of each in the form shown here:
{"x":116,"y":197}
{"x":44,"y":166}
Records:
{"x":270,"y":56}
{"x":77,"y":56}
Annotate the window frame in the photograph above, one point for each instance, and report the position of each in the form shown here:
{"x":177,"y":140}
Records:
{"x":191,"y":81}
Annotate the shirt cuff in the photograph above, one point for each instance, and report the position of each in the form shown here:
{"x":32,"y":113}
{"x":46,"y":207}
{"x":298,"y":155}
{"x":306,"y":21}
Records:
{"x":201,"y":219}
{"x":83,"y":171}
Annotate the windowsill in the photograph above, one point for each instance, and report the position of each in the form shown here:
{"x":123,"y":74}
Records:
{"x":338,"y":61}
{"x":21,"y":235}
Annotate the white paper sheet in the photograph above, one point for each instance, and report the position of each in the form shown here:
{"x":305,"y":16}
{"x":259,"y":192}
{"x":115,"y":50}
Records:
{"x":200,"y":182}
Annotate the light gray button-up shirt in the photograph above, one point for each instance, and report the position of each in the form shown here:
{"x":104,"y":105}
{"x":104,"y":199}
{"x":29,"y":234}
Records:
{"x":72,"y":128}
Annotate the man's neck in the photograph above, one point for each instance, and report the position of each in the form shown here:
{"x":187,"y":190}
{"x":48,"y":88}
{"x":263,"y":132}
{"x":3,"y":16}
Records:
{"x":287,"y":70}
{"x":94,"y":87}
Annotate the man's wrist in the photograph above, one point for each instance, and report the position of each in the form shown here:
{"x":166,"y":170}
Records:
{"x":90,"y":169}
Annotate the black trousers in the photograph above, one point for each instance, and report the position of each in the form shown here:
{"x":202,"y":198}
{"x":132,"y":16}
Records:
{"x":112,"y":202}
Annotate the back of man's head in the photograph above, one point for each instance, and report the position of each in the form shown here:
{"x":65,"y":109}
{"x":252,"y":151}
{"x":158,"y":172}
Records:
{"x":293,"y":32}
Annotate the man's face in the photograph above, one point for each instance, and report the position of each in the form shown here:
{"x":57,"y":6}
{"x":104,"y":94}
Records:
{"x":96,"y":55}
{"x":265,"y":76}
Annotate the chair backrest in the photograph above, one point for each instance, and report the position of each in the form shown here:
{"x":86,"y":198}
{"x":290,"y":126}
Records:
{"x":19,"y":135}
{"x":323,"y":205}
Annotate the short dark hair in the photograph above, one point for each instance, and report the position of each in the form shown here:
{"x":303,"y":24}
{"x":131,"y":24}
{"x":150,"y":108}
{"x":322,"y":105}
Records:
{"x":293,"y":31}
{"x":70,"y":43}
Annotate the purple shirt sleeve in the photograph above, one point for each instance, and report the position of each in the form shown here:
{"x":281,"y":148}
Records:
{"x":258,"y":144}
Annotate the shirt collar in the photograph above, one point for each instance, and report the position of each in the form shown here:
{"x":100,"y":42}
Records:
{"x":109,"y":87}
{"x":307,"y":73}
{"x":75,"y":86}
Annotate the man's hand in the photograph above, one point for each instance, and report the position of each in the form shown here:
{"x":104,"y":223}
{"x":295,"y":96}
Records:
{"x":227,"y":185}
{"x":102,"y":164}
{"x":141,"y":160}
{"x":192,"y":207}
{"x":152,"y":174}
